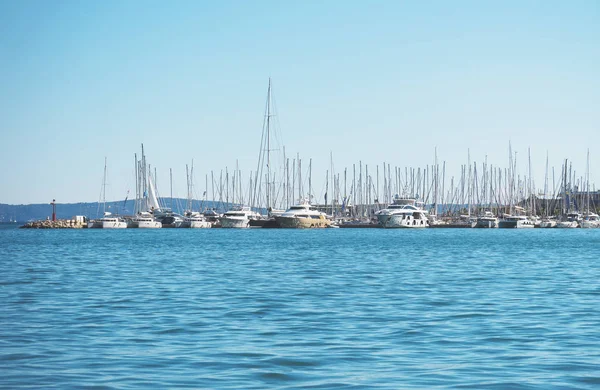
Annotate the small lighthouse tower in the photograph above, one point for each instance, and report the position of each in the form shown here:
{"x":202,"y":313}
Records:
{"x":53,"y":209}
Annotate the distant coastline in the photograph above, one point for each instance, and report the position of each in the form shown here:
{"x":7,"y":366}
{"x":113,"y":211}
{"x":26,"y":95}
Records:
{"x":39,"y":211}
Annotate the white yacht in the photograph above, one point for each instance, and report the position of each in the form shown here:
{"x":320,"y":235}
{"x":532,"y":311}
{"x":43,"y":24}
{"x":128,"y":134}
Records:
{"x":239,"y":217}
{"x":94,"y":224}
{"x":591,"y":220}
{"x":403,"y":213}
{"x":107,"y":222}
{"x":145,"y":220}
{"x":487,"y":220}
{"x":548,"y":222}
{"x":516,"y":222}
{"x":195,"y":220}
{"x":303,"y":215}
{"x":570,"y":221}
{"x":111,"y":222}
{"x":211,"y":216}
{"x":171,"y":220}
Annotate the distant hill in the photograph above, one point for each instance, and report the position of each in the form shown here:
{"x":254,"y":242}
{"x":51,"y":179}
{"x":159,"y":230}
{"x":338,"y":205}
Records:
{"x":27,"y":212}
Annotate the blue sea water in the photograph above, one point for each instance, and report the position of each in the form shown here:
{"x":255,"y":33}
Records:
{"x":298,"y":309}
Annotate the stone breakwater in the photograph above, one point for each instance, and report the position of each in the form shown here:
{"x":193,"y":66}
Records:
{"x":60,"y":224}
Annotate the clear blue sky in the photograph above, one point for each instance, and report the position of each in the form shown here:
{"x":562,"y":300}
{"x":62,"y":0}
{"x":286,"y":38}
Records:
{"x":369,"y":81}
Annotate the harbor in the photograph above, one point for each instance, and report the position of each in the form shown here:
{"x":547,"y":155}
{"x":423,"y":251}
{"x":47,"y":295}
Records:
{"x":283,"y":192}
{"x":483,"y":196}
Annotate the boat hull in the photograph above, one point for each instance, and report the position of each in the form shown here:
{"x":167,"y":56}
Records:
{"x":567,"y":225}
{"x":235,"y":223}
{"x":145,"y":225}
{"x":548,"y":224}
{"x":489,"y":223}
{"x":397,"y":221}
{"x":302,"y":222}
{"x":198,"y":225}
{"x":590,"y":224}
{"x":521,"y":224}
{"x":114,"y":225}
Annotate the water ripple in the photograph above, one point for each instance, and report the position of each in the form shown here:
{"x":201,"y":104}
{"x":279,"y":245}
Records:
{"x":255,"y":309}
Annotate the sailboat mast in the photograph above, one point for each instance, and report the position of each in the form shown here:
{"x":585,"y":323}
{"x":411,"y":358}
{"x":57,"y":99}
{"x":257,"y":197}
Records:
{"x":546,"y":188}
{"x":104,"y":190}
{"x":144,"y":181}
{"x":137,"y":185}
{"x":588,"y":182}
{"x":187,"y":176}
{"x":435,"y":181}
{"x":469,"y":184}
{"x":269,"y":146}
{"x":299,"y":178}
{"x":310,"y":180}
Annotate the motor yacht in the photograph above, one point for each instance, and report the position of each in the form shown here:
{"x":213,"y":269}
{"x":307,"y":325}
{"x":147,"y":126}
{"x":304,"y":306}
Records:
{"x":239,"y":217}
{"x":303,"y":215}
{"x":403,"y":213}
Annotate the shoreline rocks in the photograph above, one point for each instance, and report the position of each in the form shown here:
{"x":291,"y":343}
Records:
{"x":59,"y":224}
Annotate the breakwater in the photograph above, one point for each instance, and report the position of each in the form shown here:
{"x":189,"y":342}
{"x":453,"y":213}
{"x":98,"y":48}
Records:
{"x":58,"y":224}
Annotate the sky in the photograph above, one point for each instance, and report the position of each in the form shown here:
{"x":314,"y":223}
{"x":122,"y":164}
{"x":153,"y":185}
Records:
{"x":353,"y":81}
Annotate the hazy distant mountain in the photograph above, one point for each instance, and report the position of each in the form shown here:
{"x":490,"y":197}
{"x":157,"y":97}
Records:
{"x":24,"y":213}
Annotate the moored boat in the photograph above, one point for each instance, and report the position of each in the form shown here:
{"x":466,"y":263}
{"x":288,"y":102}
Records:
{"x":548,"y":222}
{"x":591,"y":220}
{"x":403,"y":213}
{"x":303,"y":215}
{"x":570,"y":221}
{"x":145,"y":220}
{"x":239,"y":217}
{"x":487,"y":220}
{"x":516,"y":222}
{"x":195,"y":220}
{"x":111,"y":222}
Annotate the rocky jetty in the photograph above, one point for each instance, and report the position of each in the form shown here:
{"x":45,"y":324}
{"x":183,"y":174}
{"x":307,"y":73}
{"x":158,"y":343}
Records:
{"x":59,"y":224}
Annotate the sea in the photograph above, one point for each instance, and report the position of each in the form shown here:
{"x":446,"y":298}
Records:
{"x":300,"y":309}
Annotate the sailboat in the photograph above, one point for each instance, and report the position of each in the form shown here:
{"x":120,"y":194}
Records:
{"x":193,"y":219}
{"x":487,"y":220}
{"x":112,"y":222}
{"x":146,"y":201}
{"x":264,"y":160}
{"x":516,"y":218}
{"x":108,"y":221}
{"x":590,"y":219}
{"x":570,"y":218}
{"x":146,"y":219}
{"x":548,"y":221}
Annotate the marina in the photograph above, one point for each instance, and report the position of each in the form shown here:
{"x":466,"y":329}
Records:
{"x":280,"y":193}
{"x":483,"y":197}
